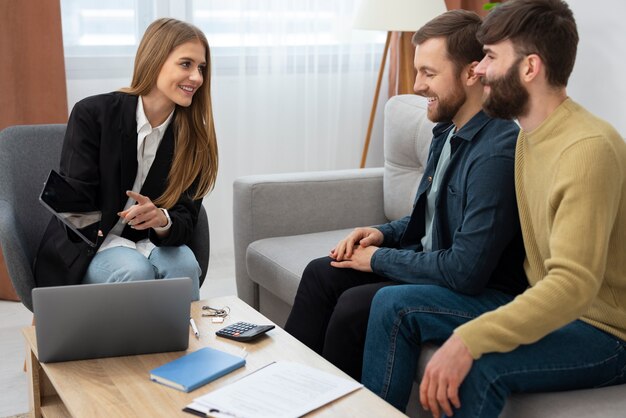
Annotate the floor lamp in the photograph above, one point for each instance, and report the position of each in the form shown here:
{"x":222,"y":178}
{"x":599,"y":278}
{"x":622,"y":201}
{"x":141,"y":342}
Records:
{"x":391,"y":16}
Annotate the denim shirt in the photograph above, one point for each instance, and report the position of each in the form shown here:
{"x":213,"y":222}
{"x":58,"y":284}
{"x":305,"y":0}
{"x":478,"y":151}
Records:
{"x":476,"y":237}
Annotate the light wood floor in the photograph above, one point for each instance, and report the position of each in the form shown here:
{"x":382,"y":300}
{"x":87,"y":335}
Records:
{"x":14,"y":316}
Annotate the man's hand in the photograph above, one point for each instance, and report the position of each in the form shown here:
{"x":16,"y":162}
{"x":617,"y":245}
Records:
{"x":144,"y":214}
{"x":443,"y":377}
{"x":360,"y":260}
{"x":363,"y":237}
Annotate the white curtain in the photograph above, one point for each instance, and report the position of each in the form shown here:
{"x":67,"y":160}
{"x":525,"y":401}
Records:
{"x":292,"y":87}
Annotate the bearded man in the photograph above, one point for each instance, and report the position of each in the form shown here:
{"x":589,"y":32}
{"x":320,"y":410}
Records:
{"x":568,"y":329}
{"x":463,"y":233}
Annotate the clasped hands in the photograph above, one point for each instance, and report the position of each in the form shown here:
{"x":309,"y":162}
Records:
{"x":356,"y":250}
{"x":144,"y":214}
{"x":446,"y":370}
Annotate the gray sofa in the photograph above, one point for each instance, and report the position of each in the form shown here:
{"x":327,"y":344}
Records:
{"x":283,"y":221}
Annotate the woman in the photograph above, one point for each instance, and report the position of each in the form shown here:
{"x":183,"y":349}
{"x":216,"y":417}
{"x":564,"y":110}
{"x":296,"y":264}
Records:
{"x":145,"y":155}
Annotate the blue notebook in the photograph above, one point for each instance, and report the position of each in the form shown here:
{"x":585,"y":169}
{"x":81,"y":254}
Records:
{"x":196,"y":369}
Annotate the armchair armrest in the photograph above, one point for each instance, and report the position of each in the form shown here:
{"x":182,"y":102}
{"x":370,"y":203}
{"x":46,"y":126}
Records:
{"x":15,"y":256}
{"x":274,"y":205}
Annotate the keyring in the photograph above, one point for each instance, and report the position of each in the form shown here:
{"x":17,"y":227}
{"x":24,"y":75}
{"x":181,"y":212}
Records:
{"x":219,"y":312}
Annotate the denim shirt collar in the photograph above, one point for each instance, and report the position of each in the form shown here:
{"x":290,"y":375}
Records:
{"x":468,"y":131}
{"x":440,"y":133}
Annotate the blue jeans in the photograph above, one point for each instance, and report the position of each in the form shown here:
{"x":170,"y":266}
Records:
{"x":122,"y":264}
{"x":402,"y":318}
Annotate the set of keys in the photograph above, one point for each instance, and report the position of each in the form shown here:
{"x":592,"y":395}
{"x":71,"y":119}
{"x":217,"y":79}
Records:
{"x":217,"y":314}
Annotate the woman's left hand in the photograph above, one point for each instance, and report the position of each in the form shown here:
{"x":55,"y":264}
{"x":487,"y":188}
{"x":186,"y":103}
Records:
{"x":144,"y":214}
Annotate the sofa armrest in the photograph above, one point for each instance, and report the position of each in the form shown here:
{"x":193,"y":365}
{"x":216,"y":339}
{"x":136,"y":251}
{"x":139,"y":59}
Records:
{"x":274,"y":205}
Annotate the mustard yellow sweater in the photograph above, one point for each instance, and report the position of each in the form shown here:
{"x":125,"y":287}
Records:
{"x":570,"y":179}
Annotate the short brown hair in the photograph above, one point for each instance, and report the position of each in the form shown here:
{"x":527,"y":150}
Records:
{"x":543,"y":27}
{"x":459,"y":27}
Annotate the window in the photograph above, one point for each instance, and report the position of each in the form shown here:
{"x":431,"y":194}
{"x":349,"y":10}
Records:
{"x":99,"y":28}
{"x":100,"y":38}
{"x":253,"y":24}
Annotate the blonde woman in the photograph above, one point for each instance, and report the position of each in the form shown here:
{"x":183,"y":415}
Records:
{"x":145,"y":155}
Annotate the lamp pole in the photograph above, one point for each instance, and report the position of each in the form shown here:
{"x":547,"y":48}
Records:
{"x":375,"y":101}
{"x":392,"y":16}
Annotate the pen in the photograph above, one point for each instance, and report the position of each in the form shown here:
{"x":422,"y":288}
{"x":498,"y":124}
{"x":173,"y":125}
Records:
{"x":194,"y":328}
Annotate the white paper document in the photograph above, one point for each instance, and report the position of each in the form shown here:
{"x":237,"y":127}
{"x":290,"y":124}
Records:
{"x":279,"y":390}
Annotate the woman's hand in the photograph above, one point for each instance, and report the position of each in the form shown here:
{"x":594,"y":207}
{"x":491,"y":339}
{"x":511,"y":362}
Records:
{"x":144,"y":214}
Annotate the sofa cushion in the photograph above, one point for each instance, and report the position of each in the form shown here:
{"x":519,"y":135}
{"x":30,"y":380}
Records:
{"x":277,"y":263}
{"x":609,"y":402}
{"x":407,"y":134}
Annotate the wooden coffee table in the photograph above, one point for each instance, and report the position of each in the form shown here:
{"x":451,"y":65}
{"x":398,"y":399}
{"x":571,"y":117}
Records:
{"x":120,"y":386}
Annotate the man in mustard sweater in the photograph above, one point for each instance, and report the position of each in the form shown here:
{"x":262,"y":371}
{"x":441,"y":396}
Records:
{"x":568,"y":329}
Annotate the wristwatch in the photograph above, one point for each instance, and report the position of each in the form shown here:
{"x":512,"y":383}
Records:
{"x":167,"y":225}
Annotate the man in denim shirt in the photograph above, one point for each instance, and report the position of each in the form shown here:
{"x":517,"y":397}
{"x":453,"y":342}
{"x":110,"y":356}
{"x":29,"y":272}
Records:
{"x":464,"y":231}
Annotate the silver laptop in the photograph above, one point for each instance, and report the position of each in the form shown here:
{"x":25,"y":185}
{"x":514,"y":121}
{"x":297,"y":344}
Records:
{"x":112,"y":319}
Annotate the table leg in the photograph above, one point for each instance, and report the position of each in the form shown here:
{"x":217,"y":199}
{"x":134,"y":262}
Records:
{"x":34,"y":383}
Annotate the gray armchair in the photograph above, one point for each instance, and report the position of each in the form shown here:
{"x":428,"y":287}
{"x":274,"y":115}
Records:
{"x":27,"y":154}
{"x":283,"y":221}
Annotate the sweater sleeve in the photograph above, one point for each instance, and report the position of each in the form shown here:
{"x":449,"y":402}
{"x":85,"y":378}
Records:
{"x":582,"y":205}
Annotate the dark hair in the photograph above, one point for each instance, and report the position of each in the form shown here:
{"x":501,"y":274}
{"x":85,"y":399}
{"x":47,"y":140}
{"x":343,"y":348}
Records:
{"x":543,"y":27}
{"x":459,"y":27}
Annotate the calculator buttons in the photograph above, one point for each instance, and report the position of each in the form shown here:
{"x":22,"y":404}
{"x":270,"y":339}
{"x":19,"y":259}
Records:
{"x":243,"y":331}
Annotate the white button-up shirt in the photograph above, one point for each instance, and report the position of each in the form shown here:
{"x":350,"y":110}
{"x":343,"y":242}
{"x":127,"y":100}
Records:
{"x":148,"y":141}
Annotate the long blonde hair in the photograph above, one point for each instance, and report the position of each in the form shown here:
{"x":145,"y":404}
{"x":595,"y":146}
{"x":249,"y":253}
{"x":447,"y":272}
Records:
{"x":195,"y":152}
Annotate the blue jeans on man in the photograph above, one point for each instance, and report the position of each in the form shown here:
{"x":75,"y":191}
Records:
{"x":574,"y":357}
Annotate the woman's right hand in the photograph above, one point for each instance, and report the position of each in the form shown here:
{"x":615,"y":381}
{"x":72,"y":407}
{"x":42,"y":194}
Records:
{"x":360,"y":236}
{"x":144,"y":214}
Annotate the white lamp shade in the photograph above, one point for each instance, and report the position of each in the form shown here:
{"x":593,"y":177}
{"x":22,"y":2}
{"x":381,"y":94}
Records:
{"x":397,"y":15}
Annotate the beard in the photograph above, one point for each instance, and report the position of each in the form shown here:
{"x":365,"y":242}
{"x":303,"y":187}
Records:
{"x":508,"y":98}
{"x":446,"y":108}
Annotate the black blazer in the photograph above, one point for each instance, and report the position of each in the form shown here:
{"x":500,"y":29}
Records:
{"x":99,"y":157}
